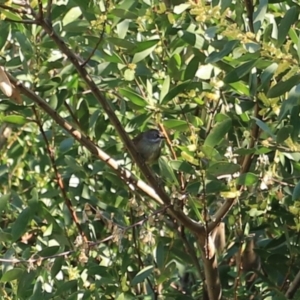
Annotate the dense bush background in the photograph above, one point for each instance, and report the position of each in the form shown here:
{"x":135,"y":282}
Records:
{"x":220,"y":79}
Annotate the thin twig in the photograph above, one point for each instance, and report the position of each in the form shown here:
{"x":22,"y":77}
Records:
{"x":72,"y":113}
{"x":192,"y":253}
{"x":138,"y":253}
{"x":291,"y":265}
{"x":31,"y":22}
{"x":58,"y":177}
{"x":97,"y":44}
{"x":40,"y":13}
{"x":254,"y":136}
{"x":14,"y":10}
{"x":250,"y":10}
{"x":48,"y":11}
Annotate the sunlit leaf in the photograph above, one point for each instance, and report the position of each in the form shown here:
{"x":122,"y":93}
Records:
{"x":14,"y":119}
{"x":133,"y":97}
{"x":73,"y":14}
{"x":176,"y":124}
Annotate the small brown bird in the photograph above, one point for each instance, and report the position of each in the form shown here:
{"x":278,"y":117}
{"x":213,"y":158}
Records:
{"x":149,"y":144}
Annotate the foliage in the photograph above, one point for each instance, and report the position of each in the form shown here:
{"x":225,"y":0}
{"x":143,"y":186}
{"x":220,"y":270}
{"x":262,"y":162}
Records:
{"x":221,"y":80}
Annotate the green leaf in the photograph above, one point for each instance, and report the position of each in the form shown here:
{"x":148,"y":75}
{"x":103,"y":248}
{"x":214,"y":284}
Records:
{"x":218,"y":133}
{"x":142,"y":275}
{"x":179,"y":125}
{"x":191,"y":68}
{"x":196,"y":206}
{"x":295,"y":124}
{"x":14,"y":119}
{"x":48,"y":251}
{"x":124,"y":14}
{"x":211,"y":153}
{"x":240,"y":87}
{"x":283,"y":86}
{"x":142,"y":46}
{"x":66,"y":145}
{"x":247,"y":179}
{"x":3,"y":201}
{"x":73,"y":14}
{"x":143,"y":54}
{"x":25,"y":283}
{"x":264,"y":127}
{"x":259,"y":15}
{"x":190,"y":158}
{"x":192,"y":39}
{"x":5,"y":237}
{"x":165,"y":88}
{"x":222,"y":168}
{"x":182,"y":166}
{"x":76,"y":27}
{"x":160,"y":255}
{"x":57,"y":266}
{"x":174,"y":65}
{"x":239,"y":72}
{"x":296,"y":192}
{"x":100,"y":127}
{"x":133,"y":97}
{"x":179,"y":9}
{"x":216,"y":56}
{"x":83,"y":115}
{"x":122,"y":28}
{"x":266,"y":77}
{"x":253,"y":82}
{"x":292,"y":101}
{"x":12,"y":274}
{"x":122,"y":43}
{"x":20,"y":225}
{"x":67,"y":286}
{"x":10,"y":15}
{"x":73,"y":164}
{"x":180,"y":88}
{"x":166,"y":171}
{"x":283,"y":134}
{"x":298,"y":48}
{"x":5,"y":29}
{"x":288,"y":20}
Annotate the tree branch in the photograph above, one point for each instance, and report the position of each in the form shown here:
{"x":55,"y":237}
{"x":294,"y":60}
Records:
{"x":124,"y":174}
{"x":159,"y":192}
{"x":295,"y":285}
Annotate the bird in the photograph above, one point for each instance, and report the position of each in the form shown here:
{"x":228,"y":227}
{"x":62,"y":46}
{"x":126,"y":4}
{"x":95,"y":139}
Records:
{"x":149,"y":144}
